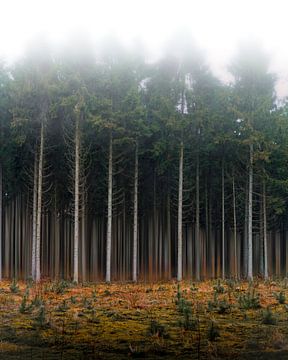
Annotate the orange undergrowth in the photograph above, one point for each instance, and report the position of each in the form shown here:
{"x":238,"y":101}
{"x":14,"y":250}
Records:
{"x":59,"y":320}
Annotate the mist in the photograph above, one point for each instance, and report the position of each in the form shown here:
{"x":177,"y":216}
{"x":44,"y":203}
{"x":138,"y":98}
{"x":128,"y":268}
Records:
{"x":146,"y":27}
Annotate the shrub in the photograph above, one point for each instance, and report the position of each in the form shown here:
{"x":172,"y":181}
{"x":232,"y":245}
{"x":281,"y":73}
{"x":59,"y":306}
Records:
{"x":281,"y":297}
{"x":223,"y":307}
{"x":268,"y":318}
{"x":41,"y":317}
{"x":213,"y":331}
{"x":60,"y":287}
{"x":37,"y":301}
{"x":157,"y":329}
{"x":219,"y":289}
{"x":14,"y":288}
{"x":23,"y":306}
{"x":63,"y":307}
{"x":250,"y":300}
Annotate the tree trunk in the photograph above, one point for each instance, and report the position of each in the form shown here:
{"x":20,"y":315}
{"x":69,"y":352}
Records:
{"x":265,"y":232}
{"x":223,"y":222}
{"x":168,"y":245}
{"x":1,"y":206}
{"x":135,"y":216}
{"x":109,"y":218}
{"x":234,"y":228}
{"x":76,"y":202}
{"x":34,"y":220}
{"x":197,"y":229}
{"x":39,"y":204}
{"x":83,"y":249}
{"x":250,"y":210}
{"x":180,"y":202}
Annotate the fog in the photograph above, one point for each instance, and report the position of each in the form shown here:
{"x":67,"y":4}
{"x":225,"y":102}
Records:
{"x":217,"y":27}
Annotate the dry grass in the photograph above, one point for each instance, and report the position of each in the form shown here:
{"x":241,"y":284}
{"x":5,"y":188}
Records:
{"x":101,"y":321}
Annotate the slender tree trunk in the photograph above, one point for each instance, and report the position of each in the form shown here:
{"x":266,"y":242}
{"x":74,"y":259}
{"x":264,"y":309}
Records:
{"x":211,"y":237}
{"x":83,"y":243}
{"x":223,"y":222}
{"x":135,"y":217}
{"x":180,"y":202}
{"x":168,"y":258}
{"x":109,"y":218}
{"x":250,"y":210}
{"x":265,"y":232}
{"x":76,"y":202}
{"x":34,"y":219}
{"x":1,"y":207}
{"x":234,"y":228}
{"x":39,"y":204}
{"x":197,"y":229}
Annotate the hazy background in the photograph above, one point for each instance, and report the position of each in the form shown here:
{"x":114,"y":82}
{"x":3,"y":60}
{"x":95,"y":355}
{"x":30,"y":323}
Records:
{"x":216,"y":25}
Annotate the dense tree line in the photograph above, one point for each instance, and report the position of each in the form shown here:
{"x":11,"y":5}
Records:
{"x":115,"y":168}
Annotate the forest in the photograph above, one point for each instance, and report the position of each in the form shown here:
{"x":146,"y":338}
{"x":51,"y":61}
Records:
{"x":116,"y":168}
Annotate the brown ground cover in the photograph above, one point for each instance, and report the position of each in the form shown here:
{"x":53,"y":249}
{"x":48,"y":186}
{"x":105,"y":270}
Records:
{"x":207,"y":320}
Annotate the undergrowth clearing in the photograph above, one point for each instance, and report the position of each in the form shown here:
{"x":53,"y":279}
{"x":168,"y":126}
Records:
{"x":207,"y":320}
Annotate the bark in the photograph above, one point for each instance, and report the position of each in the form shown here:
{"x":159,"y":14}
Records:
{"x":83,"y":249}
{"x":223,"y":222}
{"x":135,"y":217}
{"x":197,"y":229}
{"x":265,"y":232}
{"x":76,"y":202}
{"x":234,"y":228}
{"x":39,"y":204}
{"x":1,"y":206}
{"x":250,"y":213}
{"x":34,"y":220}
{"x":168,"y":245}
{"x":180,"y":203}
{"x":109,"y":218}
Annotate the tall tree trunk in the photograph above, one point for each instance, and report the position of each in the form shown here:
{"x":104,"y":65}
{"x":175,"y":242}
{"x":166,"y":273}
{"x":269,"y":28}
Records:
{"x":234,"y":228}
{"x":197,"y":229}
{"x":265,"y":232}
{"x":135,"y":217}
{"x":39,"y":204}
{"x":168,"y":245}
{"x":180,"y":203}
{"x":223,"y":221}
{"x":109,"y":218}
{"x":83,"y":243}
{"x":34,"y":220}
{"x":250,"y":210}
{"x":1,"y":206}
{"x":76,"y":202}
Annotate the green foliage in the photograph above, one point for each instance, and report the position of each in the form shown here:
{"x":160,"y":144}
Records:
{"x":268,"y":318}
{"x":40,"y":319}
{"x":219,"y":289}
{"x":37,"y":301}
{"x":14,"y":288}
{"x":63,"y":307}
{"x":281,"y":297}
{"x":187,"y":321}
{"x":73,"y":300}
{"x":24,"y":307}
{"x":250,"y":300}
{"x":223,"y":307}
{"x":157,"y":329}
{"x":219,"y":306}
{"x":60,"y":287}
{"x":213,"y":331}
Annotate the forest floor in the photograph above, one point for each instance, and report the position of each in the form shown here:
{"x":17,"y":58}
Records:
{"x":207,"y":320}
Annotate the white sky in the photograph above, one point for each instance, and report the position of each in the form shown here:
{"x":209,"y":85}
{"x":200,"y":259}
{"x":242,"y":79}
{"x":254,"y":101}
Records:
{"x":217,"y":25}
